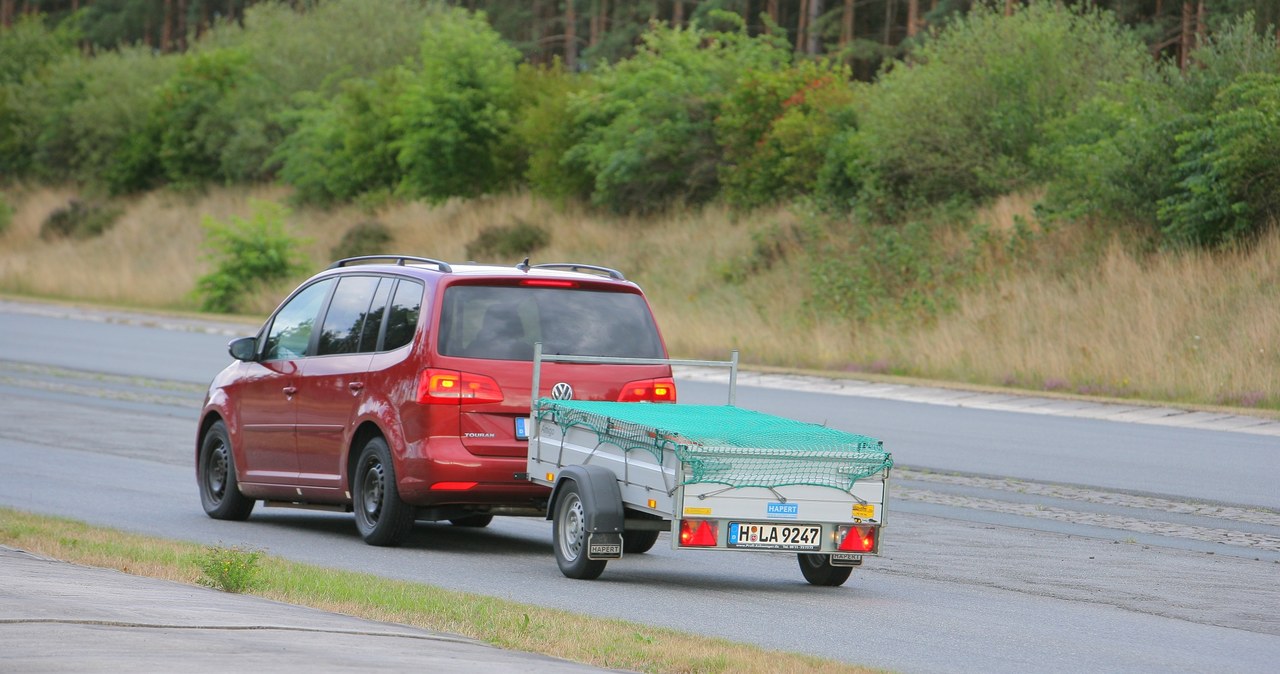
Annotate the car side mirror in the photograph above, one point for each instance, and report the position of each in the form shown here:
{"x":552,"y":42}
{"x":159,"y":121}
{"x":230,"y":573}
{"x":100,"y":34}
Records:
{"x":244,"y":348}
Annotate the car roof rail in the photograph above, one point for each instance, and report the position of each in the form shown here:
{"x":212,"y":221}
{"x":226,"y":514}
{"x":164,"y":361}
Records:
{"x":399,"y":260}
{"x":571,"y":266}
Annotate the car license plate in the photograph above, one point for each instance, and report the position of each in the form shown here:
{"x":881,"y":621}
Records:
{"x":522,"y":428}
{"x":768,"y":536}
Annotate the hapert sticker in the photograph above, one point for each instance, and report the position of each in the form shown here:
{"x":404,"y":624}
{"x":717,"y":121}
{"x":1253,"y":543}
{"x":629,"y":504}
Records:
{"x":784,"y":511}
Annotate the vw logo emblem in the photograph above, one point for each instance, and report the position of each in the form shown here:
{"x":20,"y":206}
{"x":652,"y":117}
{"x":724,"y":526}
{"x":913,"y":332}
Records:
{"x":562,"y":391}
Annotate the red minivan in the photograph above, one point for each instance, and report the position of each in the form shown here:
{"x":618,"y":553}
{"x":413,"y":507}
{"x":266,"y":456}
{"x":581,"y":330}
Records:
{"x":397,"y":387}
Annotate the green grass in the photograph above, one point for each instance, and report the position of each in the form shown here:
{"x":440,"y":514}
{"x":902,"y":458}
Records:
{"x":614,"y":644}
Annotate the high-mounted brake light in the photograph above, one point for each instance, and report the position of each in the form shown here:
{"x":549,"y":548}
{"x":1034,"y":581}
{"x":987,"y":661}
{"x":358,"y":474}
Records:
{"x":698,"y":533}
{"x":662,"y":390}
{"x":859,"y":538}
{"x":548,"y":283}
{"x":450,"y":387}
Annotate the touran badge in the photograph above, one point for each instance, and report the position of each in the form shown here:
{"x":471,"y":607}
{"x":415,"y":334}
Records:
{"x":562,"y":391}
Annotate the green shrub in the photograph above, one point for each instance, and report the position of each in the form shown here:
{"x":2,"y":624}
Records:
{"x":962,"y":116}
{"x":6,"y":215}
{"x":1228,"y":169}
{"x":365,"y":238}
{"x":345,"y":147}
{"x":775,"y":129}
{"x":543,"y":132}
{"x":505,"y":242}
{"x":233,"y":569}
{"x":247,"y":255}
{"x":646,"y":126}
{"x":455,"y":117}
{"x":78,"y":220}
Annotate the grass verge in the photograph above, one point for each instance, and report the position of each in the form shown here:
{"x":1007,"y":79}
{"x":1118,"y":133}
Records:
{"x":614,"y":644}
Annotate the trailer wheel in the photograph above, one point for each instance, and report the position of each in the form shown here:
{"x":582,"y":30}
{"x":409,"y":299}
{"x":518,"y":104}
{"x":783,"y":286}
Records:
{"x":638,"y":542}
{"x":569,"y":536}
{"x":817,"y":569}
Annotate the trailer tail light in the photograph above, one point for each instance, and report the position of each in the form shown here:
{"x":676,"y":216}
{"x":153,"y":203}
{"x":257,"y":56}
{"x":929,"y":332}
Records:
{"x":661,"y":390}
{"x":856,"y":538}
{"x":698,"y":533}
{"x":450,"y":387}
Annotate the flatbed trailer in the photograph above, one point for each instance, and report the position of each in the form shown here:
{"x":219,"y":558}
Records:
{"x":715,"y":477}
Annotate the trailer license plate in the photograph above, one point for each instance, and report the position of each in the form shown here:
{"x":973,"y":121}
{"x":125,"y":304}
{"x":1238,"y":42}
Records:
{"x":766,"y":536}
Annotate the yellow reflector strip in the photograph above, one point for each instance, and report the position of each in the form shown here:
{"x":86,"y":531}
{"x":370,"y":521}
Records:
{"x":697,"y":511}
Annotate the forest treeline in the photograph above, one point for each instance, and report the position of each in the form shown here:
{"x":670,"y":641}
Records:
{"x":1146,"y":114}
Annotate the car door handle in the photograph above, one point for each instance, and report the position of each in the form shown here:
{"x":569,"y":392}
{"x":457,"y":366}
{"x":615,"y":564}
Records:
{"x":355,"y":386}
{"x":290,"y":390}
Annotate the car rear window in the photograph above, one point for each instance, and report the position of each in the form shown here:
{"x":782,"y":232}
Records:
{"x":504,"y":322}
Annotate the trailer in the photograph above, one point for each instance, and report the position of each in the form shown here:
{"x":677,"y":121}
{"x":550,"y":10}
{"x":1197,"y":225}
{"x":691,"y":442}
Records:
{"x":715,"y":477}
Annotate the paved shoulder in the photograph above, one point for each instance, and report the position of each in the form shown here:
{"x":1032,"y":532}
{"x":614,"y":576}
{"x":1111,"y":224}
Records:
{"x":60,"y":617}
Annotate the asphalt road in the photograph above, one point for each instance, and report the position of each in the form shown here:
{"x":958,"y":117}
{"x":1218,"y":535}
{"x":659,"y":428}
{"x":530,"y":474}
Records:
{"x":1016,"y":542}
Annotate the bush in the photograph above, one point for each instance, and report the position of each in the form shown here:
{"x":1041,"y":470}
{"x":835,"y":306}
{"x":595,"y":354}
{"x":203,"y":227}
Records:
{"x":1153,"y":150}
{"x":233,"y":569}
{"x":6,"y":215}
{"x":365,"y":238}
{"x":520,"y":239}
{"x":1228,"y":170}
{"x":646,"y":126}
{"x":78,"y":220}
{"x":962,"y":116}
{"x":247,"y":255}
{"x":455,"y":116}
{"x":544,"y":133}
{"x":775,"y":130}
{"x":345,"y":147}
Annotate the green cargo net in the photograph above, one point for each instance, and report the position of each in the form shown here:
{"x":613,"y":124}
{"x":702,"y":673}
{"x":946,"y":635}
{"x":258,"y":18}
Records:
{"x":727,"y":445}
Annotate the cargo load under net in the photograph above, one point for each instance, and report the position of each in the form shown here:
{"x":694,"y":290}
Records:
{"x":727,"y":445}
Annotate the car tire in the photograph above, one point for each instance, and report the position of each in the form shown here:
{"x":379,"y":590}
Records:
{"x":472,"y":521}
{"x":817,"y":569}
{"x":216,"y":472}
{"x":382,"y":518}
{"x":569,"y":536}
{"x":638,"y":542}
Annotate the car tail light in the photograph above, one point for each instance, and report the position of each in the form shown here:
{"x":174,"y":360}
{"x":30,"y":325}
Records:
{"x":698,"y":533}
{"x":856,"y":538}
{"x":662,"y":390}
{"x":449,"y":387}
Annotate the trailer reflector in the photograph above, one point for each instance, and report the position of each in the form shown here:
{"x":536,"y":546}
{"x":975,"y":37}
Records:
{"x":698,"y":533}
{"x":856,"y":538}
{"x":453,"y":486}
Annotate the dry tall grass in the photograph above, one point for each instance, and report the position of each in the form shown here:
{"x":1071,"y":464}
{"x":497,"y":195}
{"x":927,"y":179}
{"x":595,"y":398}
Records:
{"x":1193,"y":327}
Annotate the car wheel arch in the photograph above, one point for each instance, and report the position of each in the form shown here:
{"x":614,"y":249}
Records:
{"x":366,"y":431}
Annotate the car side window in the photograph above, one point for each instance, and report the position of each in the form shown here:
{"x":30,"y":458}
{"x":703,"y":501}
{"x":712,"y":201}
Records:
{"x":402,"y":319}
{"x":291,"y":329}
{"x":348,"y":312}
{"x":377,"y":311}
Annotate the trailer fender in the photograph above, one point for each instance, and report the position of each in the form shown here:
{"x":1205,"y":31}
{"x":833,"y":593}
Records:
{"x":601,"y":498}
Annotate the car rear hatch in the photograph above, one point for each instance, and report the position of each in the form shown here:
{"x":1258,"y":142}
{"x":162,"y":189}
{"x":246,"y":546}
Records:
{"x":487,"y":334}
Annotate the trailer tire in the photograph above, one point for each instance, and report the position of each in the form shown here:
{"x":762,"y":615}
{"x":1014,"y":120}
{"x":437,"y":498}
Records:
{"x":638,"y":542}
{"x":569,"y":535}
{"x":817,"y":569}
